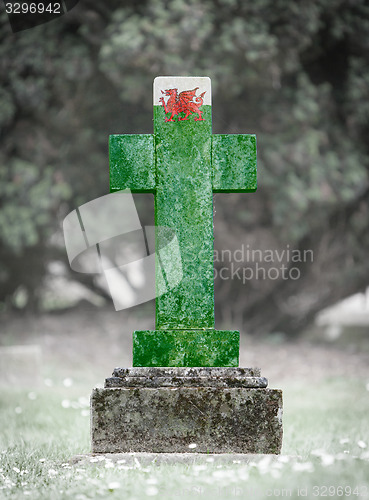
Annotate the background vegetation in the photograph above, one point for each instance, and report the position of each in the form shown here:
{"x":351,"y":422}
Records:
{"x":294,"y":73}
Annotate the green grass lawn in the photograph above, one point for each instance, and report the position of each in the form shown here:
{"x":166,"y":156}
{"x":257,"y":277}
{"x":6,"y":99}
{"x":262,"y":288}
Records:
{"x":325,"y":451}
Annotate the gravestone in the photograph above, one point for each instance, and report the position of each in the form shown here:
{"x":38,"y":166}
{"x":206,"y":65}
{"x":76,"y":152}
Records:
{"x":185,"y":387}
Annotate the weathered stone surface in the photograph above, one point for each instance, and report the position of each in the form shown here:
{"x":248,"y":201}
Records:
{"x":252,"y":382}
{"x":255,"y":382}
{"x":234,"y":163}
{"x":137,"y":154}
{"x":165,"y":419}
{"x":186,"y":377}
{"x":193,"y":371}
{"x":184,"y":201}
{"x":186,"y":348}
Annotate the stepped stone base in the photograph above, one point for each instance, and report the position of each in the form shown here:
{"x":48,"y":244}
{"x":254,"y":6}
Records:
{"x":169,"y":410}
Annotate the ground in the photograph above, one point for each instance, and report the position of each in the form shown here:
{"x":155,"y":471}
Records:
{"x":88,"y":342}
{"x":42,"y":427}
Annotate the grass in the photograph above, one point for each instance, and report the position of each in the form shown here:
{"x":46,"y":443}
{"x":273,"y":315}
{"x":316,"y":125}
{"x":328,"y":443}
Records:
{"x":325,"y":451}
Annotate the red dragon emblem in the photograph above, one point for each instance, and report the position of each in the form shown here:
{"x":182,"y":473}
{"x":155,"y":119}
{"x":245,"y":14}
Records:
{"x":185,"y":102}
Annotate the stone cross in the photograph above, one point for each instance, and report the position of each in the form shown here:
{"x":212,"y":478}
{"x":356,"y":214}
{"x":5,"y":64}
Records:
{"x":182,"y":163}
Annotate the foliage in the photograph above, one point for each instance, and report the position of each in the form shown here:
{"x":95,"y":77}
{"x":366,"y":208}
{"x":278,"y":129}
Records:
{"x":39,"y":194}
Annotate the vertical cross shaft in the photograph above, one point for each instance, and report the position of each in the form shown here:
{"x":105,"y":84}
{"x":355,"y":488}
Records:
{"x":184,"y":201}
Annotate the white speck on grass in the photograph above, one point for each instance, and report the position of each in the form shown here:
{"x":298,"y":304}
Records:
{"x":218,"y":473}
{"x":327,"y":460}
{"x":210,"y":459}
{"x":275,"y":473}
{"x":192,"y":446}
{"x":361,"y":444}
{"x":18,"y":410}
{"x":199,"y":467}
{"x":318,"y":453}
{"x":94,"y":459}
{"x":65,"y":403}
{"x":277,"y":465}
{"x":122,"y":461}
{"x":85,"y":413}
{"x":15,"y":469}
{"x":84,"y":402}
{"x":26,"y":492}
{"x":32,"y":396}
{"x":8,"y":483}
{"x":48,"y":382}
{"x":303,"y":467}
{"x":341,"y":456}
{"x":52,"y":472}
{"x":67,"y":382}
{"x":152,"y":491}
{"x":264,"y":464}
{"x":152,"y":480}
{"x":109,"y":465}
{"x":114,"y":485}
{"x":243,"y":474}
{"x":42,"y":460}
{"x":344,"y":440}
{"x":138,"y":465}
{"x":367,"y":386}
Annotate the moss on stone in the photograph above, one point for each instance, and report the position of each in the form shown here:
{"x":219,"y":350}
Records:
{"x":234,"y":163}
{"x":132,"y":163}
{"x":160,"y":420}
{"x":186,"y":348}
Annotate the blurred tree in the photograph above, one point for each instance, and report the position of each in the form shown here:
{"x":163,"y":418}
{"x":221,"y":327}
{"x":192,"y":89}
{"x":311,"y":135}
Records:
{"x":295,"y":74}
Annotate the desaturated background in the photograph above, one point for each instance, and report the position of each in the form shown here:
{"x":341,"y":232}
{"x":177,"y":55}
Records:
{"x":294,"y":73}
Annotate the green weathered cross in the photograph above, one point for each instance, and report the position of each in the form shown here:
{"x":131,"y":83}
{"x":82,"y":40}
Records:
{"x":183,"y":164}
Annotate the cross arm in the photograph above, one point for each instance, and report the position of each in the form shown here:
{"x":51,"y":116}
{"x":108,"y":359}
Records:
{"x":132,"y":163}
{"x":234,"y":163}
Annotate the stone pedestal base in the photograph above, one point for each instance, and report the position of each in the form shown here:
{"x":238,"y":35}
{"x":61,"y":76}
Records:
{"x":169,"y":410}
